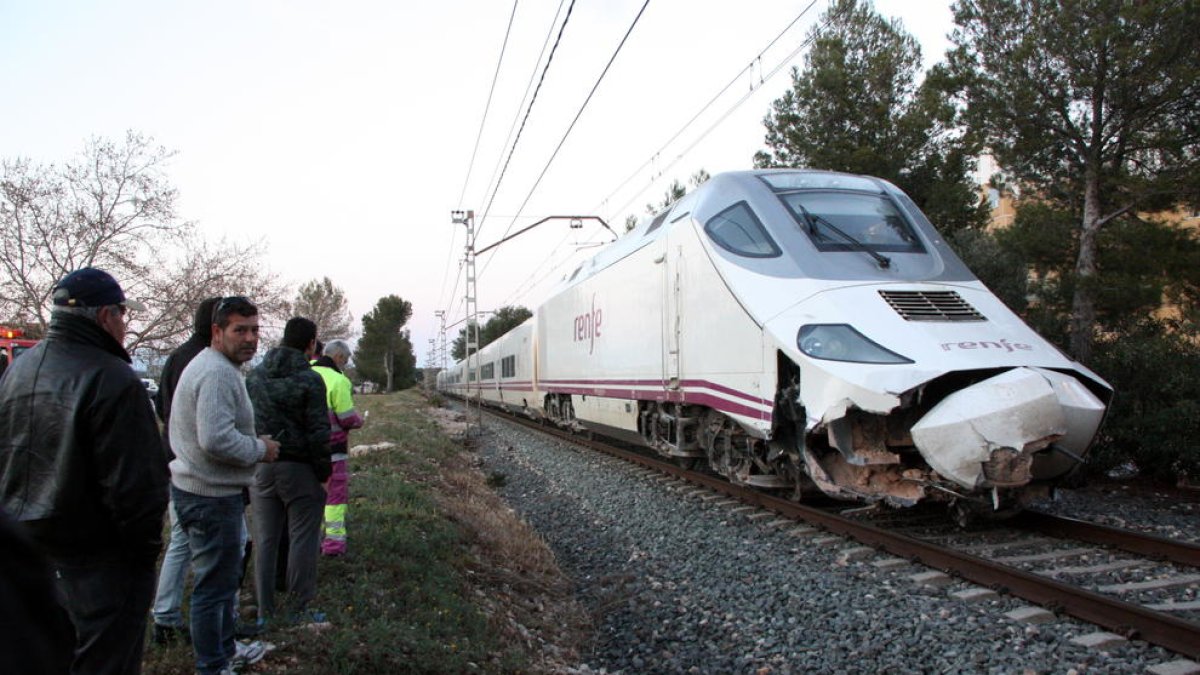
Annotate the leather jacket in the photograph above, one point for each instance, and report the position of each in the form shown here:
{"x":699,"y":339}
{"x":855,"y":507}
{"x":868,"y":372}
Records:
{"x":81,"y":460}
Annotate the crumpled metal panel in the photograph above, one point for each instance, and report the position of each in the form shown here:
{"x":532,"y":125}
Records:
{"x":1019,"y":411}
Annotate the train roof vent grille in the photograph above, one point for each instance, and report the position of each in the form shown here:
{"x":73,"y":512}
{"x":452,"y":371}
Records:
{"x":931,"y":306}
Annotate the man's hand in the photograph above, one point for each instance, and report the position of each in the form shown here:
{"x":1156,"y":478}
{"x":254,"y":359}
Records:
{"x":272,"y":448}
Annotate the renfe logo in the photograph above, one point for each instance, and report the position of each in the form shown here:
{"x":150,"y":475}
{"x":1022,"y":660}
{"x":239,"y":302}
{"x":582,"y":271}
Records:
{"x":1003,"y":343}
{"x":587,"y":326}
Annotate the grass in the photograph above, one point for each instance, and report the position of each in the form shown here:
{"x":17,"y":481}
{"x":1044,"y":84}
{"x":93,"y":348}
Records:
{"x":441,"y":576}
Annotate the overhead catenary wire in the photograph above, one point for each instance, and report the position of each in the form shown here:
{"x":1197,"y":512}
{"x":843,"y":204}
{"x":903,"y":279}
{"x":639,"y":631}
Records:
{"x":549,"y":60}
{"x":444,"y":301}
{"x":570,"y":128}
{"x":706,"y":106}
{"x":487,"y":106}
{"x":475,"y":151}
{"x":533,"y":280}
{"x":778,"y":67}
{"x":524,"y":97}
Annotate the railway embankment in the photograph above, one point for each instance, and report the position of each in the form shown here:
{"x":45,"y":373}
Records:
{"x":441,"y":575}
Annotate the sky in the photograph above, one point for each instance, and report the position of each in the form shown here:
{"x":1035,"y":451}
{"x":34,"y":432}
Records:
{"x":341,"y":135}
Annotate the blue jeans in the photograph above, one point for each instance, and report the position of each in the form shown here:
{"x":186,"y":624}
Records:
{"x":214,"y":530}
{"x":172,"y":576}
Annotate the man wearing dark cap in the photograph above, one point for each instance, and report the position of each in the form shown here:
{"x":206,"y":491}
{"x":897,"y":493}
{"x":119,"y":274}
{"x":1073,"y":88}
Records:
{"x":82,"y":469}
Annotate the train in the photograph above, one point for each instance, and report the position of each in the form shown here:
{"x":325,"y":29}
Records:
{"x":806,"y":331}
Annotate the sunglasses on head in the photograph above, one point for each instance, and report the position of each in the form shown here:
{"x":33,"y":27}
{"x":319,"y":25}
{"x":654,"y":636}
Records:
{"x":234,"y":302}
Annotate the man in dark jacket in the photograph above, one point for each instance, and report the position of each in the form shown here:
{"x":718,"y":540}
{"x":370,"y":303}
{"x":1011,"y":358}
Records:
{"x":168,"y":599}
{"x":82,"y":469}
{"x":289,"y":404}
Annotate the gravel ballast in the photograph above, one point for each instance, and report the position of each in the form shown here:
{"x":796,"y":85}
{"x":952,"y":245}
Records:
{"x":679,"y":582}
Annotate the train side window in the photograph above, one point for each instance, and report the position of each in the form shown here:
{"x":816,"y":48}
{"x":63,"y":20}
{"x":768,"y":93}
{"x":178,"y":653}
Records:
{"x":508,"y":366}
{"x":738,"y":230}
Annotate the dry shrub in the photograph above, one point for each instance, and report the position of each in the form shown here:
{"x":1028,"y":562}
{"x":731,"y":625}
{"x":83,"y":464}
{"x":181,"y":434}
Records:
{"x":517,"y":581}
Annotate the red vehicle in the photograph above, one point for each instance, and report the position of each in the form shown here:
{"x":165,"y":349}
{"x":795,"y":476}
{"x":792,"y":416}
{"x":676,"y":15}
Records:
{"x":14,"y":342}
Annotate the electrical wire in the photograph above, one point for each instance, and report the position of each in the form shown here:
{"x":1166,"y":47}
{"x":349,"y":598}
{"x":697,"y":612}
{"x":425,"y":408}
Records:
{"x":778,"y":67}
{"x":706,"y":106}
{"x":579,"y":114}
{"x":487,"y":106}
{"x":528,"y":110}
{"x":474,"y":152}
{"x":524,"y":97}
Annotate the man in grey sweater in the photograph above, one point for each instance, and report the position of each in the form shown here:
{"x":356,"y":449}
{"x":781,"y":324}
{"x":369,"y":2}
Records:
{"x":212,"y":434}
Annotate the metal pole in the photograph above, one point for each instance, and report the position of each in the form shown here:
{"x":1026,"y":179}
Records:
{"x":441,"y":315}
{"x":472,"y":337}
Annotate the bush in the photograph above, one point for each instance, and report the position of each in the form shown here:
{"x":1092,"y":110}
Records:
{"x":1154,"y":368}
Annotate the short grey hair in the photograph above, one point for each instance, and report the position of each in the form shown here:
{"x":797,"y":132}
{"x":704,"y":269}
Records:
{"x":337,"y":348}
{"x":92,"y":313}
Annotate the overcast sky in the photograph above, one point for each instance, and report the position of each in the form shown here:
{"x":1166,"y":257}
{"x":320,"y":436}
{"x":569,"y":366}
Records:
{"x":341,"y":134}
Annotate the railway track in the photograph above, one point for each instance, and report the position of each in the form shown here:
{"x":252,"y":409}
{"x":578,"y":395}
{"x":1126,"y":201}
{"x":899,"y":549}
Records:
{"x":1010,"y":559}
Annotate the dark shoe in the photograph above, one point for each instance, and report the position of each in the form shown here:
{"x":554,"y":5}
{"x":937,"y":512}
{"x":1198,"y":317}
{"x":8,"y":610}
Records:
{"x":169,"y":635}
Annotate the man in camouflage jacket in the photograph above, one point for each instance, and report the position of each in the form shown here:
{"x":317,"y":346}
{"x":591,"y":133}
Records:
{"x":289,"y":404}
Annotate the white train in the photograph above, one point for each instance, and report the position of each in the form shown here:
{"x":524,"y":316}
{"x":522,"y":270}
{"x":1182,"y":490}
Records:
{"x":799,"y":329}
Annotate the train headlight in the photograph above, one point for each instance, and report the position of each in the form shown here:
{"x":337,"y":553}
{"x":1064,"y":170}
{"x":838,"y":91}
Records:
{"x":839,"y":342}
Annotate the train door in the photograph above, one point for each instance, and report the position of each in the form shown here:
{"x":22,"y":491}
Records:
{"x":672,"y":313}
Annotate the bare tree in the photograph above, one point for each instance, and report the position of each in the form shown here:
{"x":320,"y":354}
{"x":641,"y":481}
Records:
{"x":113,"y":207}
{"x":326,"y":305}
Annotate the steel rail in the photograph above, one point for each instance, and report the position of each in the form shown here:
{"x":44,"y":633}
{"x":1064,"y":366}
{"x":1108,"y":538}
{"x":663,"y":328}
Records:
{"x":1123,"y":618}
{"x":1151,"y":546}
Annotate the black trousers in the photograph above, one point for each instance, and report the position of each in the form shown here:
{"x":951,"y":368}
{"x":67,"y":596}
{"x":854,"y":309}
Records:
{"x":108,"y":601}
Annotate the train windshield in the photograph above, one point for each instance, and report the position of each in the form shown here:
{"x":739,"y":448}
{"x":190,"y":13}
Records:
{"x":844,"y":220}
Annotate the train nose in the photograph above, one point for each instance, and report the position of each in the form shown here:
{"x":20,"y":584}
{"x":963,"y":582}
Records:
{"x":985,"y":435}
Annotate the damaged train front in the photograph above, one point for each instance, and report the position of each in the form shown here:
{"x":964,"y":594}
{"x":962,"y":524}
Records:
{"x":985,"y":415}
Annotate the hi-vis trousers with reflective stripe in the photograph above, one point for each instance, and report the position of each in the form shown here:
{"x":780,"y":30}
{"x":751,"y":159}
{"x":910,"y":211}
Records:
{"x":338,"y":493}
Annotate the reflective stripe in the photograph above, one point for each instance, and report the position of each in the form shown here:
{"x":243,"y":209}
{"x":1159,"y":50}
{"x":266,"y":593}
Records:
{"x":335,"y":521}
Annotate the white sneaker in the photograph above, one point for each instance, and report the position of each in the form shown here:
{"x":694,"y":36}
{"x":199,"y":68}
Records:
{"x":247,"y":653}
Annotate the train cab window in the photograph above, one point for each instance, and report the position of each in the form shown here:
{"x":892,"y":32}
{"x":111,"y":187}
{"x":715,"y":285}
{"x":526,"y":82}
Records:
{"x":837,"y":220}
{"x":738,"y":230}
{"x":487,"y":371}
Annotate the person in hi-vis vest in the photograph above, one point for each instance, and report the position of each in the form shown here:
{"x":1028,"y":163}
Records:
{"x":342,"y":418}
